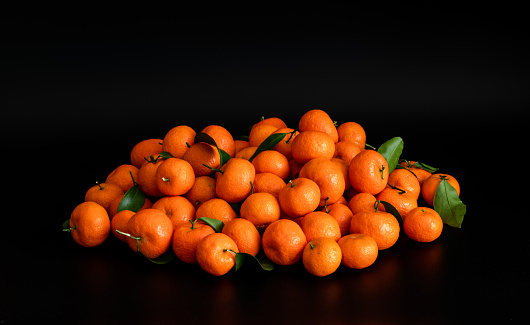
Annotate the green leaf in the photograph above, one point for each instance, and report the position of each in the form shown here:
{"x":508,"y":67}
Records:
{"x":258,"y":262}
{"x":165,"y":258}
{"x":217,"y":225}
{"x":206,"y":138}
{"x":268,"y":144}
{"x":425,"y":167}
{"x":66,"y":224}
{"x":448,"y":204}
{"x":133,"y":199}
{"x":165,"y":155}
{"x":391,"y":150}
{"x":392,"y":210}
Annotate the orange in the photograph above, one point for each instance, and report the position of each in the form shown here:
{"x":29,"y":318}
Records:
{"x":147,"y":177}
{"x":246,"y":153}
{"x":344,"y":168}
{"x":299,"y":197}
{"x":150,"y":231}
{"x":272,"y":161}
{"x":269,"y":183}
{"x":216,"y":209}
{"x":295,"y":168}
{"x":403,"y":202}
{"x":216,"y":254}
{"x":312,"y":144}
{"x":203,"y":189}
{"x":240,"y":145}
{"x":346,"y":150}
{"x":186,"y":237}
{"x":431,"y":184}
{"x":406,"y":181}
{"x":285,"y":146}
{"x":234,"y":184}
{"x":362,"y":202}
{"x":274,"y":121}
{"x":342,"y":214}
{"x":223,"y":138}
{"x":318,"y":120}
{"x":177,"y":208}
{"x":174,"y":176}
{"x":352,"y":132}
{"x":121,"y":176}
{"x":103,"y":194}
{"x":421,"y":174}
{"x":261,"y":209}
{"x":201,"y":154}
{"x":368,"y":172}
{"x":259,"y":133}
{"x":320,"y":224}
{"x":145,"y":149}
{"x":328,"y":176}
{"x":119,"y":221}
{"x":359,"y":251}
{"x":322,"y":256}
{"x":244,"y":234}
{"x":381,"y":226}
{"x":113,"y":208}
{"x":178,"y":139}
{"x":423,"y":225}
{"x":89,"y":224}
{"x":283,"y":242}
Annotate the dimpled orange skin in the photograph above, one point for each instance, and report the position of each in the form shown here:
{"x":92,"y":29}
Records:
{"x":320,"y":224}
{"x":177,"y":140}
{"x":430,"y":185}
{"x":91,"y":224}
{"x":174,"y":176}
{"x":322,"y":256}
{"x":358,"y":251}
{"x":368,"y":172}
{"x":423,"y":225}
{"x":234,"y":184}
{"x":299,"y":197}
{"x":155,"y":230}
{"x":216,"y":253}
{"x":381,"y":226}
{"x":318,"y":120}
{"x":312,"y":144}
{"x":406,"y":181}
{"x":328,"y":176}
{"x":283,"y":242}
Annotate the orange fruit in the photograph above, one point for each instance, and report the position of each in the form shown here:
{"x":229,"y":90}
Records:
{"x":217,"y":209}
{"x":203,"y":189}
{"x":381,"y":226}
{"x":244,"y":234}
{"x":403,"y":202}
{"x":113,"y":208}
{"x":177,"y":208}
{"x":147,"y":177}
{"x":352,"y":132}
{"x":259,"y":133}
{"x":186,"y":237}
{"x":261,"y":209}
{"x":328,"y":176}
{"x":272,"y":161}
{"x":246,"y":153}
{"x":346,"y":151}
{"x":320,"y":224}
{"x":423,"y":225}
{"x":201,"y":154}
{"x":89,"y":224}
{"x":119,"y":221}
{"x":103,"y":194}
{"x":178,"y":139}
{"x":421,"y":174}
{"x":359,"y":251}
{"x":121,"y":176}
{"x":269,"y":183}
{"x":240,"y":145}
{"x":145,"y":149}
{"x":234,"y":183}
{"x":428,"y":189}
{"x":274,"y":121}
{"x":362,"y":202}
{"x":344,"y":168}
{"x":322,"y":256}
{"x":223,"y":138}
{"x":318,"y":120}
{"x":342,"y":214}
{"x":285,"y":146}
{"x":174,"y":176}
{"x":312,"y":144}
{"x":283,"y":242}
{"x":368,"y":172}
{"x":405,"y":180}
{"x":299,"y":197}
{"x":295,"y":168}
{"x":216,"y":254}
{"x":150,"y":231}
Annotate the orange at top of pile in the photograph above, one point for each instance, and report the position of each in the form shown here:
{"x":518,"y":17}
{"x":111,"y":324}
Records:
{"x":315,"y":194}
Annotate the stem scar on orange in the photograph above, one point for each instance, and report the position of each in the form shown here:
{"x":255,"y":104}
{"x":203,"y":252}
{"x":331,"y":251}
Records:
{"x":89,"y":224}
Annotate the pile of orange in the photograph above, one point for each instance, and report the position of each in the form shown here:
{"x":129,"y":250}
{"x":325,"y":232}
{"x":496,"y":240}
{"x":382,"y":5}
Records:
{"x":313,"y":198}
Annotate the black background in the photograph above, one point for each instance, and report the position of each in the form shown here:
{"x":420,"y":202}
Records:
{"x":80,"y":90}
